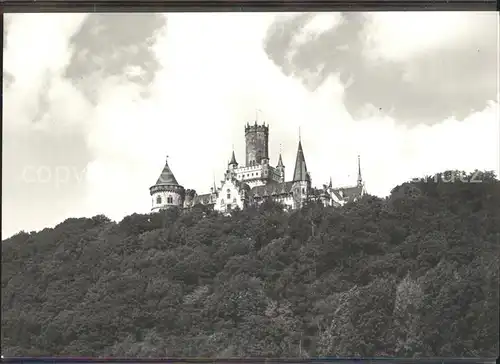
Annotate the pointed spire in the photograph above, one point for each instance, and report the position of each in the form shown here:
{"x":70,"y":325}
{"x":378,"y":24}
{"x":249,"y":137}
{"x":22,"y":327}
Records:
{"x":360,"y":179}
{"x":330,"y":184}
{"x":166,"y":176}
{"x":300,"y":172}
{"x":280,"y":162}
{"x":233,"y":159}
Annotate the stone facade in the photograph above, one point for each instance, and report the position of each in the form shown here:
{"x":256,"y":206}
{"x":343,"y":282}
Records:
{"x":257,"y":144}
{"x":254,"y":182}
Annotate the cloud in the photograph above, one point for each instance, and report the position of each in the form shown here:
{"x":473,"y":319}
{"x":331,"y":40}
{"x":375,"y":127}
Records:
{"x":111,"y":95}
{"x":114,"y":45}
{"x":392,"y":152}
{"x":416,"y":67}
{"x":50,"y":116}
{"x":8,"y":78}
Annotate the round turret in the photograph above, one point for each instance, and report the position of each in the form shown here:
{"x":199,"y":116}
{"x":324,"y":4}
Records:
{"x":166,"y":192}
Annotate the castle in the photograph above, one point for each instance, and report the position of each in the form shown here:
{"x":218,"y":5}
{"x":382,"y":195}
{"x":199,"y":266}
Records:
{"x":254,"y":182}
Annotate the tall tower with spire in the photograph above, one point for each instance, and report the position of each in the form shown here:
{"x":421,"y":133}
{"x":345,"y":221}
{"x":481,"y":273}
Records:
{"x":166,"y":192}
{"x":231,"y":167}
{"x":281,"y":168}
{"x":360,"y":183}
{"x":301,"y":178}
{"x":232,"y":163}
{"x":360,"y":179}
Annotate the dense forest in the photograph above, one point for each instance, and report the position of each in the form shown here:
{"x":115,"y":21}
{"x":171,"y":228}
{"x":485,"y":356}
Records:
{"x":411,"y":275}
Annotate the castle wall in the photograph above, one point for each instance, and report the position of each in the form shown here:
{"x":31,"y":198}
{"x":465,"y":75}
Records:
{"x":287,"y":200}
{"x":229,"y":195}
{"x":177,"y":200}
{"x":244,"y":173}
{"x":255,"y":183}
{"x":257,"y":175}
{"x":300,"y":191}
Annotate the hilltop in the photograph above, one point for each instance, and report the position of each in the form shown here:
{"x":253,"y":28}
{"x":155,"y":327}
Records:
{"x":412,"y":275}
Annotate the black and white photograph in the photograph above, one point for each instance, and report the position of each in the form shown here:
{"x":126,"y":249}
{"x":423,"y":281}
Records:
{"x":251,"y":185}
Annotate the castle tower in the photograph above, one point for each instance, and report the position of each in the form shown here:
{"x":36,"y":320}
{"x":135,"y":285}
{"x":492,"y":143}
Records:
{"x":166,"y":192}
{"x":281,"y":169}
{"x":257,"y":144}
{"x":360,"y":179}
{"x":300,"y":171}
{"x":301,"y":179}
{"x":361,"y":183}
{"x":233,"y":164}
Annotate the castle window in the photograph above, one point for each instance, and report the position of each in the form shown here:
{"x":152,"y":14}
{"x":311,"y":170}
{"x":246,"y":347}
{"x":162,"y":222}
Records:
{"x":158,"y":200}
{"x":228,"y":196}
{"x":304,"y":191}
{"x":222,"y":202}
{"x":234,"y":200}
{"x":170,"y":200}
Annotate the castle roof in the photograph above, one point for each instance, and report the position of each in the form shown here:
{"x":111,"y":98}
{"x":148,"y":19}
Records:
{"x":349,"y":193}
{"x":272,"y":189}
{"x":167,"y":177}
{"x":203,"y":199}
{"x":300,"y":172}
{"x":280,"y":162}
{"x":233,"y":159}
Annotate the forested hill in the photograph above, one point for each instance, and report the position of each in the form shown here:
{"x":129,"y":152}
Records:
{"x":413,"y":275}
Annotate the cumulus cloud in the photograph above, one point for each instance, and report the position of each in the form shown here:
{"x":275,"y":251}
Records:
{"x":109,"y":96}
{"x":421,"y":88}
{"x":416,"y":67}
{"x":59,"y":63}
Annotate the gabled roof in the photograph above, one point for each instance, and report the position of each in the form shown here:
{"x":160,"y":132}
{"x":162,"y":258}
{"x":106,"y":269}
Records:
{"x":167,"y":177}
{"x":300,"y":172}
{"x":271,"y":189}
{"x":318,"y":192}
{"x":336,"y":196}
{"x":349,"y":193}
{"x":203,"y":199}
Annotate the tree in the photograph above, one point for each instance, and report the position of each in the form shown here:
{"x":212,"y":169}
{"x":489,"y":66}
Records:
{"x":412,"y":275}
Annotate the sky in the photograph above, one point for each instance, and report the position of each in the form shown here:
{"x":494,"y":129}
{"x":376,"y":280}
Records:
{"x":93,"y":103}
